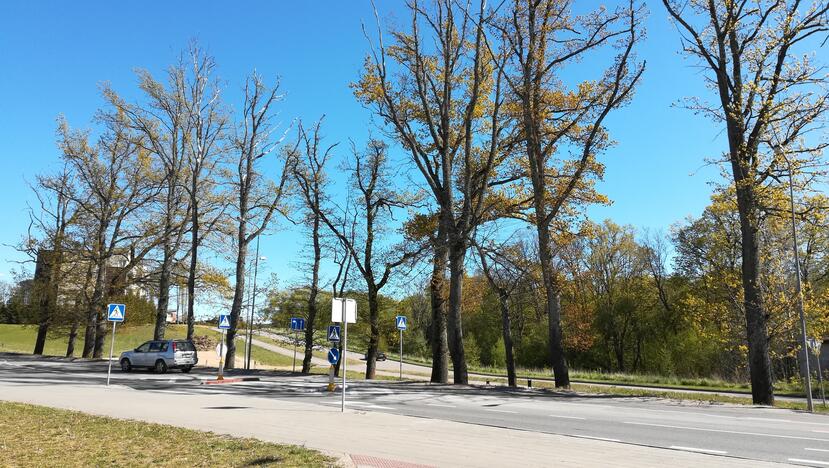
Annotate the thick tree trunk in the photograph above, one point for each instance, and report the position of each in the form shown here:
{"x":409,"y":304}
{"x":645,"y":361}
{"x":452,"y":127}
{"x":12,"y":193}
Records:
{"x":100,"y":333}
{"x":73,"y":335}
{"x":762,"y":386}
{"x":374,"y":339}
{"x":45,"y":276}
{"x":95,"y":304}
{"x":163,"y":294}
{"x":238,"y":295}
{"x":310,"y":321}
{"x":506,"y":332}
{"x":553,"y":306}
{"x":454,"y":326}
{"x":439,"y":339}
{"x":191,"y":277}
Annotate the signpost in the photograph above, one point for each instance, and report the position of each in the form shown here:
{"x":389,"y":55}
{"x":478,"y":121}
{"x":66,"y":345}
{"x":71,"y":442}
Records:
{"x":224,"y":324}
{"x":297,"y":325}
{"x":400,"y":321}
{"x":115,"y":314}
{"x":344,"y":311}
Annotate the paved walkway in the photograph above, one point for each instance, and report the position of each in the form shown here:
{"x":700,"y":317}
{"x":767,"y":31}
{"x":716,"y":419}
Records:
{"x":358,"y":438}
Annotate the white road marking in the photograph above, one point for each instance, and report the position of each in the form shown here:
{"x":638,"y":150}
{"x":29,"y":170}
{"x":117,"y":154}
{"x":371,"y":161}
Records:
{"x":501,"y":411}
{"x":565,"y":417}
{"x":815,"y":450}
{"x":700,"y":450}
{"x":726,"y":432}
{"x":769,"y":420}
{"x":442,"y":406}
{"x":606,"y":439}
{"x":811,"y":462}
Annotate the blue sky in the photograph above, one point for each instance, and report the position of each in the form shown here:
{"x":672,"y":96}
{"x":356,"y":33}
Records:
{"x":54,"y":55}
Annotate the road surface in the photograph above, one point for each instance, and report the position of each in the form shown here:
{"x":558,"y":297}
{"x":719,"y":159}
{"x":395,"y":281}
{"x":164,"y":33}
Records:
{"x":725,"y":434}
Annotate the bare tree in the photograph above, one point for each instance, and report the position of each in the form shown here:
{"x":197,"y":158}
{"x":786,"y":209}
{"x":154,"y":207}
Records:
{"x":208,"y":125}
{"x":769,"y":98}
{"x":308,"y":160}
{"x":440,"y":95}
{"x":113,"y":184}
{"x":255,"y":198}
{"x":562,"y":129}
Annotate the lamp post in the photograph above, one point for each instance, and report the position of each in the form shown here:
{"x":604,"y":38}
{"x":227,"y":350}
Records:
{"x":252,"y":306}
{"x":805,"y":343}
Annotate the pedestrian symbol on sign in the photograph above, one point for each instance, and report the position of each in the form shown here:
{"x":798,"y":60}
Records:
{"x":333,"y":333}
{"x":115,"y":312}
{"x":401,"y":322}
{"x":224,"y":322}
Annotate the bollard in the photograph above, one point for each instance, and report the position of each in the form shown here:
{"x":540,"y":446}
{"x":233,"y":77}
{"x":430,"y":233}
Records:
{"x":529,"y":383}
{"x":331,"y":385}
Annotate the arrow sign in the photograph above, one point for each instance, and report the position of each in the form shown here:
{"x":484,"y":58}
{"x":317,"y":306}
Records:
{"x":333,"y":355}
{"x":224,"y":322}
{"x":116,"y":312}
{"x":297,"y":323}
{"x":333,"y":333}
{"x":400,"y":320}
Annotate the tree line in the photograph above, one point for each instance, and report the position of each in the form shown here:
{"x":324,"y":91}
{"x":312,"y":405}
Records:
{"x":500,"y":136}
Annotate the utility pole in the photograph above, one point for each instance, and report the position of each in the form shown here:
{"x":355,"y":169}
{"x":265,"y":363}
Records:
{"x":805,"y":343}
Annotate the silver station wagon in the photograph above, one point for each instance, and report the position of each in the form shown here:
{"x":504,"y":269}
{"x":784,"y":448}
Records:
{"x":161,"y":355}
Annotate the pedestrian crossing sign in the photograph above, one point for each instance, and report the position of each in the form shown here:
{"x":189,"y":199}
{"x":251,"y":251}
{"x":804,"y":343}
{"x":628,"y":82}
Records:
{"x":400,"y":320}
{"x":224,"y":322}
{"x":333,"y":333}
{"x":116,"y":312}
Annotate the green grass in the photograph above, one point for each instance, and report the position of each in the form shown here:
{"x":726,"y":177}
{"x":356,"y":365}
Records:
{"x":40,"y":436}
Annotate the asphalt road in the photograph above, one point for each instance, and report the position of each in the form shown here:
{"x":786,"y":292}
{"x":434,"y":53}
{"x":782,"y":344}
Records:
{"x":755,"y":433}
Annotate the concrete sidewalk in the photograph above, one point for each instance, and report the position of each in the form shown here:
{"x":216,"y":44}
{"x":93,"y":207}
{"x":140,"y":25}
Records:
{"x":356,"y":437}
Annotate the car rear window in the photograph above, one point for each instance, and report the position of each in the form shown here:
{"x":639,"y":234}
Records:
{"x":184,"y":346}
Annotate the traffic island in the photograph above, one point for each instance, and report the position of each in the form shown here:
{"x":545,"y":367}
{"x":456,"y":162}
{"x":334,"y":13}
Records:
{"x":230,"y":380}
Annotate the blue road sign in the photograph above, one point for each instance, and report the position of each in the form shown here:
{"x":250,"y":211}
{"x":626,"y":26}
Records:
{"x":224,"y":322}
{"x":297,"y":323}
{"x":333,"y":333}
{"x":333,"y":355}
{"x":116,"y":312}
{"x":400,"y":320}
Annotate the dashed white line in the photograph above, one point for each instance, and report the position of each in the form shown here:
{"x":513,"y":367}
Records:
{"x":698,"y":450}
{"x":606,"y":439}
{"x":565,"y":417}
{"x":811,"y":462}
{"x":440,"y":405}
{"x":815,"y":450}
{"x":501,"y":411}
{"x":760,"y":434}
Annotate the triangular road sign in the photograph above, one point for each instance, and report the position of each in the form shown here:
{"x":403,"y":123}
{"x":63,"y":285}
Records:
{"x":224,"y":322}
{"x":333,"y":333}
{"x":115,"y":312}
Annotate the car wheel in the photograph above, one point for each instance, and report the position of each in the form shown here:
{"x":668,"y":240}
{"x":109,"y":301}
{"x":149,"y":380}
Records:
{"x":186,"y":369}
{"x":161,"y":366}
{"x":126,"y":366}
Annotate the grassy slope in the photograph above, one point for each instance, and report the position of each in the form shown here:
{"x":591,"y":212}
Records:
{"x":39,"y":436}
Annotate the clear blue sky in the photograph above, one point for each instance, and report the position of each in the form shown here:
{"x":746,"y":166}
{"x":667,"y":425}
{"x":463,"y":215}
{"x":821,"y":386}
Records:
{"x":53,"y":55}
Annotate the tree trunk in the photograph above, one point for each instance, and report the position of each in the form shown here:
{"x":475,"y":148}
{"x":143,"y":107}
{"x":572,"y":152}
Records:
{"x":439,"y":339}
{"x":759,"y":364}
{"x":163,"y":294}
{"x":506,"y":331}
{"x":191,"y":277}
{"x":553,"y":305}
{"x":73,"y":334}
{"x":95,"y":304}
{"x":374,"y":340}
{"x":454,"y":326}
{"x":312,"y":298}
{"x":238,"y":294}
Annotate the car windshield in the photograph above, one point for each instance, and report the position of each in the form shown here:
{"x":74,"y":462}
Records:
{"x":144,"y":347}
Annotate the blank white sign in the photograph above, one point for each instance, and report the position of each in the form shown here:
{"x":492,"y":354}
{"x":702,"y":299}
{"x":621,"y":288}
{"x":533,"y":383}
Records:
{"x":337,"y":310}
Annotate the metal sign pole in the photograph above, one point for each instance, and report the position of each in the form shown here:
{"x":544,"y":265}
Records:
{"x":401,"y":354}
{"x":221,"y":356}
{"x":111,"y":350}
{"x":344,"y":356}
